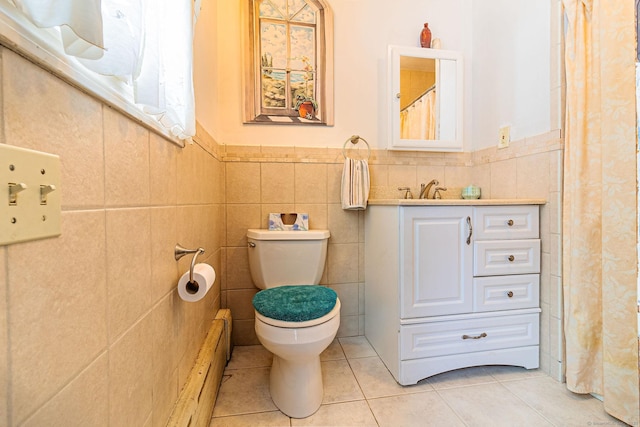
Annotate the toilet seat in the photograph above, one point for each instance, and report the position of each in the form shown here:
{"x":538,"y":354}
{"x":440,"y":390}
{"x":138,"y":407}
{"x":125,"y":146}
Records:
{"x":295,"y":306}
{"x":293,"y":325}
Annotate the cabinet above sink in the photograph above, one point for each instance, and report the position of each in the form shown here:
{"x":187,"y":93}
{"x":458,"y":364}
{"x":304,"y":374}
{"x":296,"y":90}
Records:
{"x":426,"y":97}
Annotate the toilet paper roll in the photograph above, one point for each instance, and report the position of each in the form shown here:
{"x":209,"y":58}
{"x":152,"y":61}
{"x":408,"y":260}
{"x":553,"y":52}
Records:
{"x":204,"y":276}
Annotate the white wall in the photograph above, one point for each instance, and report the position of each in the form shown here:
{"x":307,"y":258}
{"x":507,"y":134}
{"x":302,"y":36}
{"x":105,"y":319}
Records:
{"x":205,"y":60}
{"x":511,"y":69}
{"x":512,"y":33}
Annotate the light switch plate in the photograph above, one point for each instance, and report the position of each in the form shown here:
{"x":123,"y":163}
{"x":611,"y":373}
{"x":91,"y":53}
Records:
{"x":504,"y":136}
{"x":35,"y":212}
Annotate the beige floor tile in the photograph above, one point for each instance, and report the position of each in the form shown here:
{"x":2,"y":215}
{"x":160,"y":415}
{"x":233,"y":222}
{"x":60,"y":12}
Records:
{"x":510,"y":373}
{"x":339,"y":414}
{"x":461,"y":377}
{"x":491,"y":405}
{"x":376,"y":380}
{"x":560,"y":406}
{"x":250,"y":356}
{"x":262,"y":419}
{"x":355,"y":347}
{"x":359,"y":390}
{"x":244,"y":391}
{"x":333,"y":352}
{"x":417,"y":409}
{"x":339,"y":383}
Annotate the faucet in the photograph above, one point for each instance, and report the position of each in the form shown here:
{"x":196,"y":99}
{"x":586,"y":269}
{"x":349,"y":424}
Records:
{"x":436,"y":192}
{"x":408,"y":194}
{"x":424,"y":189}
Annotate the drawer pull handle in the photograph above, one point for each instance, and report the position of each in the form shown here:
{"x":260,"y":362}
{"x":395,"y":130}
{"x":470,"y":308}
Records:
{"x":510,"y":294}
{"x":470,"y":230}
{"x":472,"y":337}
{"x":510,"y":223}
{"x":511,"y":258}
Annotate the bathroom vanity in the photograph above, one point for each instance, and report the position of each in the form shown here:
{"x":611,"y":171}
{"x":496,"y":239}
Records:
{"x":452,"y":284}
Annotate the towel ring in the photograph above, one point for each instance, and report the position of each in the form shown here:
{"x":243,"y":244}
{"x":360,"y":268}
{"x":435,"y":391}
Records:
{"x":354,"y":140}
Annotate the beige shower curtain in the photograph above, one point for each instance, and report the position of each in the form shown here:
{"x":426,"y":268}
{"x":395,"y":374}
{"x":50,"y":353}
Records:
{"x":418,"y":120}
{"x":599,"y":208}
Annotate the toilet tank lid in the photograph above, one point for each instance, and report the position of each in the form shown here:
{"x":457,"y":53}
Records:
{"x":263,"y":234}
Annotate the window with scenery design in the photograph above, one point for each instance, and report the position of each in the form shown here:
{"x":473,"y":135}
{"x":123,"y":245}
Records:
{"x":289,"y":73}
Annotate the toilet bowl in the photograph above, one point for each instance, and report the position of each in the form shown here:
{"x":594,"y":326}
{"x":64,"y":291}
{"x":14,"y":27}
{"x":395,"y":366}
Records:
{"x":295,"y":381}
{"x":295,"y":319}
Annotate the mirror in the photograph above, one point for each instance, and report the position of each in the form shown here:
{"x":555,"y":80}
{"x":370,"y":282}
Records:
{"x":426,"y":99}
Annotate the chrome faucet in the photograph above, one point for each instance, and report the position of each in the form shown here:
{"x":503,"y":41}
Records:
{"x":425,"y":188}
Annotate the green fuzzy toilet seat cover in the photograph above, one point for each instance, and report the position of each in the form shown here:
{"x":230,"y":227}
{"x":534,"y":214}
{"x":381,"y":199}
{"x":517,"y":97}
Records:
{"x":295,"y":303}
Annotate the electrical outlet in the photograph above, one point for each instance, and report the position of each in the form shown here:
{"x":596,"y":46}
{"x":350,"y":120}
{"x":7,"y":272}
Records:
{"x":503,"y":137}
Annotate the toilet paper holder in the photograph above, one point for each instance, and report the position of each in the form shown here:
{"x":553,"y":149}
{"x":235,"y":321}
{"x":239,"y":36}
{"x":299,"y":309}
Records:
{"x":180,"y":251}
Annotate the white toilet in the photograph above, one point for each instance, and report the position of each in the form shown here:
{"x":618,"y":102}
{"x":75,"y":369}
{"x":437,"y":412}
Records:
{"x":294,"y":321}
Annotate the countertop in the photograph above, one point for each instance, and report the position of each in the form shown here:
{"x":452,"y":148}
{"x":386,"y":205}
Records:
{"x":455,"y":202}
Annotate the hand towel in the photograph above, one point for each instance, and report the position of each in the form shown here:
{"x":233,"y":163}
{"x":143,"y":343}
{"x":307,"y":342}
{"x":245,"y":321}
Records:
{"x":355,"y":184}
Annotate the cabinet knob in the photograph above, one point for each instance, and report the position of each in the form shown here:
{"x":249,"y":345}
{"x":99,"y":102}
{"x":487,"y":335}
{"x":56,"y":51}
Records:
{"x":510,"y":294}
{"x":510,"y":223}
{"x":511,"y":258}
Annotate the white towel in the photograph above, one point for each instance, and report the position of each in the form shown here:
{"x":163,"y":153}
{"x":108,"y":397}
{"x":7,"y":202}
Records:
{"x":355,"y":184}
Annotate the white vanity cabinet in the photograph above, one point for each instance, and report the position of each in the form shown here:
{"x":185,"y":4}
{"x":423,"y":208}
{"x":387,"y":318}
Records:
{"x":452,"y":286}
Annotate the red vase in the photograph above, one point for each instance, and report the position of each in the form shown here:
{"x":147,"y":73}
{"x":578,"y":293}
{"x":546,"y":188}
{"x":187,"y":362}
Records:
{"x":425,"y":36}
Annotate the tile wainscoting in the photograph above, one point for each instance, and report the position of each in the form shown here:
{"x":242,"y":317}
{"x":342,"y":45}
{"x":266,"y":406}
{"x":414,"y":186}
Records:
{"x":260,"y":180}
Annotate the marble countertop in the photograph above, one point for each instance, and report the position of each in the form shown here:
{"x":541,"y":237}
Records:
{"x":454,"y":202}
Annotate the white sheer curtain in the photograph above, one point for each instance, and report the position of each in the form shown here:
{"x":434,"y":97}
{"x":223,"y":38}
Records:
{"x":145,"y":43}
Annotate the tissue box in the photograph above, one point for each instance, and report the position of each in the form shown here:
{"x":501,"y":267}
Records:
{"x":289,"y":221}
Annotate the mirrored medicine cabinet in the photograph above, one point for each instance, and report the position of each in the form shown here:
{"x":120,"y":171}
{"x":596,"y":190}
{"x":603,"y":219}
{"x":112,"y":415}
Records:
{"x":426,"y":98}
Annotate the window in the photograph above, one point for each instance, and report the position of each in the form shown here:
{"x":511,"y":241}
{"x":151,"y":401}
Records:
{"x":289,"y":64}
{"x":134,"y":56}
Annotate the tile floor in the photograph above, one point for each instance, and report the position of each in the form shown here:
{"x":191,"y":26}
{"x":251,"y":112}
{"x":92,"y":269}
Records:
{"x":360,"y":391}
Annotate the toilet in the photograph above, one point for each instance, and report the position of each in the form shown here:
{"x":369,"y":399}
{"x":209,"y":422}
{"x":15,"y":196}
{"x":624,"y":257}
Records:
{"x":296,"y":319}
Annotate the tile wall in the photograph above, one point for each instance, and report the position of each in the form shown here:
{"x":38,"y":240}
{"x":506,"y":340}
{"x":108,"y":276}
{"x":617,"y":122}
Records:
{"x":287,"y":179}
{"x":268,"y":179}
{"x":91,"y":329}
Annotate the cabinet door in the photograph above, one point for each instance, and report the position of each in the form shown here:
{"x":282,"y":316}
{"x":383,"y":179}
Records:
{"x":436,"y":257}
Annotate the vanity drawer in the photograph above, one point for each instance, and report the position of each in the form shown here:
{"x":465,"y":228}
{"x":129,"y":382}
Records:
{"x":506,"y":292}
{"x":506,"y":222}
{"x":468,"y":335}
{"x":503,"y":257}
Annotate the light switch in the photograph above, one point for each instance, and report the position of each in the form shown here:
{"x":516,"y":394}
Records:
{"x":30,"y":206}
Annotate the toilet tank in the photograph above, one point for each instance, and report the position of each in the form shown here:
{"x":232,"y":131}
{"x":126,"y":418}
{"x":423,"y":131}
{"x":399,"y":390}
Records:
{"x":279,"y":258}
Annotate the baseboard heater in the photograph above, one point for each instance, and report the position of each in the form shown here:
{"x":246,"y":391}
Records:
{"x":194,"y":407}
